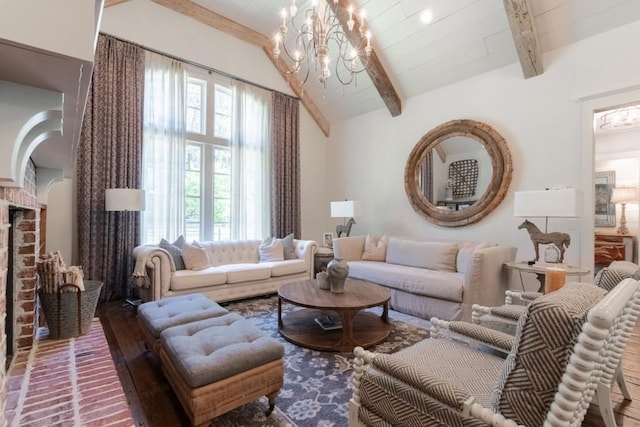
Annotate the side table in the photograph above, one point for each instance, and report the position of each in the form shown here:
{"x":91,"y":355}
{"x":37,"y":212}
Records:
{"x":321,"y":259}
{"x":540,"y":271}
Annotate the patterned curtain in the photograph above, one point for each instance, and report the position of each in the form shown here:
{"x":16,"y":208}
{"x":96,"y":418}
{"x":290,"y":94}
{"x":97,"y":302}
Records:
{"x":285,"y":167}
{"x":109,"y":156}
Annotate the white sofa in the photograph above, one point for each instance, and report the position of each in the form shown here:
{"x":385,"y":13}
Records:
{"x":431,"y":279}
{"x":234,"y":272}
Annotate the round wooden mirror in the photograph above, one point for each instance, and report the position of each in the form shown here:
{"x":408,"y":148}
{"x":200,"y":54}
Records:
{"x":458,"y":173}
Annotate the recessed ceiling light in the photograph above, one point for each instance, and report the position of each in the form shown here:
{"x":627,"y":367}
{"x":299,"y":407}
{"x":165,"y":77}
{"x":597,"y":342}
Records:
{"x":426,"y":16}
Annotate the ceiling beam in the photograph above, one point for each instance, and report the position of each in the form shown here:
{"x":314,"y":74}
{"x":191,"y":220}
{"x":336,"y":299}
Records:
{"x":109,"y":3}
{"x":525,"y":36}
{"x":219,"y":22}
{"x":374,"y":68}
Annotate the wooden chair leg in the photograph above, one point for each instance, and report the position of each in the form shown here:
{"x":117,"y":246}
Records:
{"x":272,"y":402}
{"x":622,"y":383}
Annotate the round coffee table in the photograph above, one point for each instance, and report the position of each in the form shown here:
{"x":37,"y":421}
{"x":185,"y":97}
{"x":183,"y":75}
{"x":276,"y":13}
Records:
{"x":358,"y":328}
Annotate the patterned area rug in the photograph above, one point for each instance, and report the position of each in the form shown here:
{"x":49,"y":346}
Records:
{"x":317,"y":385}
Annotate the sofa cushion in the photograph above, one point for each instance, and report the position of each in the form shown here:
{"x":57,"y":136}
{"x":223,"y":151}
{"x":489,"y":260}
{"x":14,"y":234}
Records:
{"x":271,"y":250}
{"x":375,"y":248}
{"x":232,"y":251}
{"x":286,"y":267}
{"x":175,"y":251}
{"x":289,"y":247}
{"x":420,"y":281}
{"x":194,"y":256}
{"x":439,"y":256}
{"x":245,"y":272}
{"x":465,"y":254}
{"x":192,"y":279}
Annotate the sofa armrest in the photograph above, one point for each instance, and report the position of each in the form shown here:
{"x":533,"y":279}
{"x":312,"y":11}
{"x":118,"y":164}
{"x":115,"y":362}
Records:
{"x":158,"y":266}
{"x":306,"y":249}
{"x":485,"y":280}
{"x":349,"y":248}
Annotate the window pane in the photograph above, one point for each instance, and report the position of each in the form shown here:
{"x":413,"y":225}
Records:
{"x":193,"y":157}
{"x":222,"y":114}
{"x":195,"y":105}
{"x":222,"y":161}
{"x":222,"y":186}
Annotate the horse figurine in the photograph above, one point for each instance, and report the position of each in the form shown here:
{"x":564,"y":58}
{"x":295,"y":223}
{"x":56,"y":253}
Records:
{"x":345,"y":228}
{"x":561,"y":240}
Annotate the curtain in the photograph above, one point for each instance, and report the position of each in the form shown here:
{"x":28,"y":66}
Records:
{"x":250,"y":157}
{"x":285,"y":167}
{"x":163,"y":148}
{"x":108,"y":156}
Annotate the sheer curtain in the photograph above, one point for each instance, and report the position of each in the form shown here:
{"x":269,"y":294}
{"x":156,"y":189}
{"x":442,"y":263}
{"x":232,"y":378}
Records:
{"x":251,"y":158}
{"x":163,"y":148}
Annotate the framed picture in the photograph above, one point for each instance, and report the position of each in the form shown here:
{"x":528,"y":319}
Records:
{"x":463,"y":206}
{"x":605,"y":210}
{"x":327,"y":240}
{"x":451,"y":206}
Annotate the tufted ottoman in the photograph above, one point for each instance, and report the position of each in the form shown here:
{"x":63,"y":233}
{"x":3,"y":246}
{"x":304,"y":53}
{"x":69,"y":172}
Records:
{"x":156,"y":316}
{"x":218,"y":364}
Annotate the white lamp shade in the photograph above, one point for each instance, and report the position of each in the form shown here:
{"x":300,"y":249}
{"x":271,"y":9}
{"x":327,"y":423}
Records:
{"x":624,"y":195}
{"x":123,"y":199}
{"x":345,"y":209}
{"x":548,"y":203}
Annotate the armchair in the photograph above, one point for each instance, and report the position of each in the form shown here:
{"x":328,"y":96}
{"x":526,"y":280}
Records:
{"x":558,"y":336}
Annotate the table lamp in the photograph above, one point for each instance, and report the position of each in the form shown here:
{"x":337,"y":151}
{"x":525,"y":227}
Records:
{"x":560,"y":203}
{"x":624,"y":195}
{"x":345,"y":209}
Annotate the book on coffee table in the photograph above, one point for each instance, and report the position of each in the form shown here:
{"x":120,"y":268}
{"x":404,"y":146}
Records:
{"x":328,"y":323}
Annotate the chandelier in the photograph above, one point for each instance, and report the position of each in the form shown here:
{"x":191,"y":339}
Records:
{"x":318,"y":41}
{"x":622,"y":118}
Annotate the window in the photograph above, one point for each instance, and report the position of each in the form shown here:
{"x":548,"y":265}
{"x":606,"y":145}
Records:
{"x":205,"y":155}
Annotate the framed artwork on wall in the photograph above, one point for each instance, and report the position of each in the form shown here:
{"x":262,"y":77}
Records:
{"x":605,"y":210}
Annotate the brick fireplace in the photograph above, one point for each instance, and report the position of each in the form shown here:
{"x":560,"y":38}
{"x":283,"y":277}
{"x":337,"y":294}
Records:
{"x":19,"y":248}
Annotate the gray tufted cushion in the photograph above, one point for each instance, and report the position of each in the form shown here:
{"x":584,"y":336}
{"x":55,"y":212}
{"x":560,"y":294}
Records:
{"x":156,"y":316}
{"x":210,"y":350}
{"x":545,"y":337}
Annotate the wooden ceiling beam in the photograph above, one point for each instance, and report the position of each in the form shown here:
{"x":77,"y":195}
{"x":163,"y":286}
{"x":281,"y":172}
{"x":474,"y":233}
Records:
{"x":109,"y":3}
{"x":375,"y":69}
{"x":525,"y":36}
{"x":219,"y":22}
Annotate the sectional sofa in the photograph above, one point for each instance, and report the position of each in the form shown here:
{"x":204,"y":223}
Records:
{"x":222,"y":270}
{"x":430,"y":278}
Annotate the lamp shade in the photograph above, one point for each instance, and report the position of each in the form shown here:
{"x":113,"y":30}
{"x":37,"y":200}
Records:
{"x":624,"y":195}
{"x":345,"y":209}
{"x":565,"y":202}
{"x":123,"y":199}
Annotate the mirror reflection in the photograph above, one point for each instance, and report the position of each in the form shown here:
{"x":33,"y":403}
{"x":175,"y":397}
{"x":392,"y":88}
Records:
{"x":455,"y":173}
{"x":458,"y":173}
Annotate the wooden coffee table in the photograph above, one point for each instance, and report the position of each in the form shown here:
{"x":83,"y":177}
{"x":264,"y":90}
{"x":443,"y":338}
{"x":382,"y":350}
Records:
{"x":359,"y":328}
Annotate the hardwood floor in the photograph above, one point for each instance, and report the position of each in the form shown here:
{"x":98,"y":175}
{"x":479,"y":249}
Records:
{"x":153,"y":403}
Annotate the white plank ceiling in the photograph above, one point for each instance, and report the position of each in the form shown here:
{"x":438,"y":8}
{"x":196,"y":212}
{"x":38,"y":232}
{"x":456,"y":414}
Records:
{"x":465,"y":38}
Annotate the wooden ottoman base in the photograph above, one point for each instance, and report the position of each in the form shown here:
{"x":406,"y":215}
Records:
{"x":204,"y":403}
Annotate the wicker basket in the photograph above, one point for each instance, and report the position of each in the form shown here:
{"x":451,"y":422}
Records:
{"x":69,"y":314}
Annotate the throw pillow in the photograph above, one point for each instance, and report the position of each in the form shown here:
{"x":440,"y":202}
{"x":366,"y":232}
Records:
{"x":195,"y":257}
{"x":174,"y":252}
{"x":465,"y":254}
{"x":289,"y":247}
{"x":375,"y":249}
{"x":439,"y":256}
{"x":180,"y":241}
{"x":271,"y":250}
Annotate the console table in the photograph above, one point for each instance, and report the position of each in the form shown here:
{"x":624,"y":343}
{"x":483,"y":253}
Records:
{"x":540,"y":271}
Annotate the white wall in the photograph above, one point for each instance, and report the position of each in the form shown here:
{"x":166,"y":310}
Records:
{"x":540,"y":119}
{"x":60,"y":220}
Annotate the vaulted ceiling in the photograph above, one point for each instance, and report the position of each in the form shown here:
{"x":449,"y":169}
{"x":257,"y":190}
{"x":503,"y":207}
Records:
{"x":464,"y":39}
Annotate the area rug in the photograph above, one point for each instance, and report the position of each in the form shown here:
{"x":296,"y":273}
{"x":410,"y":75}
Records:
{"x":317,"y":385}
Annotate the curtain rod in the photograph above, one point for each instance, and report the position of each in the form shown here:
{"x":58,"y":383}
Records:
{"x":195,"y":64}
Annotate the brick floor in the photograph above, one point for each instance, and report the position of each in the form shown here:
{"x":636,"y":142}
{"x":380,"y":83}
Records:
{"x":69,"y":382}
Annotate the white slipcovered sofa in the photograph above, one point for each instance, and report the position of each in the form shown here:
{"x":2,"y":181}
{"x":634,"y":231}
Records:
{"x":428,"y":278}
{"x":232,"y":270}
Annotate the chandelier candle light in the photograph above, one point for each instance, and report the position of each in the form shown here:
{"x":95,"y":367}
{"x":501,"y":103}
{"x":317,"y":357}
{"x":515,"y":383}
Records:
{"x":320,"y":36}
